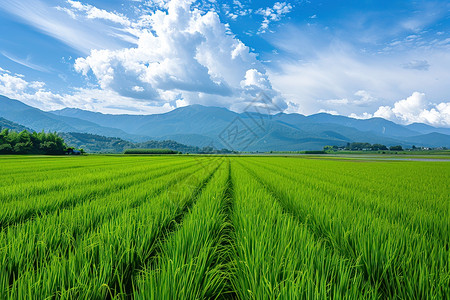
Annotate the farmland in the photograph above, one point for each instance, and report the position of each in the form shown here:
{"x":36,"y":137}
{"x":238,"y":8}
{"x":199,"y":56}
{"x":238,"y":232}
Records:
{"x":195,"y":227}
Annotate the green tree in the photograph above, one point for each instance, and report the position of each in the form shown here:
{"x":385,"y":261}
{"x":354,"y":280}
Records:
{"x":22,"y":148}
{"x":25,"y":142}
{"x":6,"y":149}
{"x":377,"y":147}
{"x":396,"y":148}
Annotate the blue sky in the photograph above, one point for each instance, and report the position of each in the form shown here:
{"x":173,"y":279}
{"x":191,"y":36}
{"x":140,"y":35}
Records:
{"x":387,"y":59}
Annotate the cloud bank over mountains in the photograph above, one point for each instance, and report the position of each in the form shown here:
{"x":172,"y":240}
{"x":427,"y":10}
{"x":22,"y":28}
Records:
{"x":154,"y":56}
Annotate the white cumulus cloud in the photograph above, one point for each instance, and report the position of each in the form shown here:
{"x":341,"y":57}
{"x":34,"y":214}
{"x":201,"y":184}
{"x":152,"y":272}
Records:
{"x":184,"y":51}
{"x":32,"y":93}
{"x":331,"y":112}
{"x":364,"y":99}
{"x":273,"y":14}
{"x":416,"y":108}
{"x":363,"y":116}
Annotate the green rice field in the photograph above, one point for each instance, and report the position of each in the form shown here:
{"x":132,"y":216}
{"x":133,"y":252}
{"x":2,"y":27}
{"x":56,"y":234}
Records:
{"x":238,"y":227}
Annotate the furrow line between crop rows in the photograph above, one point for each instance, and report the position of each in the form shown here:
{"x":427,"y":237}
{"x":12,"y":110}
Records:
{"x":165,"y":230}
{"x":198,"y":255}
{"x":227,"y":245}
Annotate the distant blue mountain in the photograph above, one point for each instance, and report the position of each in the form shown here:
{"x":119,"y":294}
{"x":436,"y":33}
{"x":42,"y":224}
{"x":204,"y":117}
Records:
{"x":221,"y":128}
{"x":433,"y":139}
{"x":424,"y":128}
{"x":36,"y":119}
{"x":6,"y":124}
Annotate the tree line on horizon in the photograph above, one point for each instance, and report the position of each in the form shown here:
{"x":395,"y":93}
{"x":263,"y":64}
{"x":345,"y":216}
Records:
{"x":358,"y":146}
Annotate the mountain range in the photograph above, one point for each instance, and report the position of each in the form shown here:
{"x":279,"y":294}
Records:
{"x":202,"y":126}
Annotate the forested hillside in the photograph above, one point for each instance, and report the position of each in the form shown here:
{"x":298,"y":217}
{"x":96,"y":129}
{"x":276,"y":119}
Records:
{"x":103,"y":144}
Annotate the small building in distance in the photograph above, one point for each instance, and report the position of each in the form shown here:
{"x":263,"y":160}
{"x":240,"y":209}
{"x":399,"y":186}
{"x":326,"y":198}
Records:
{"x":72,"y":151}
